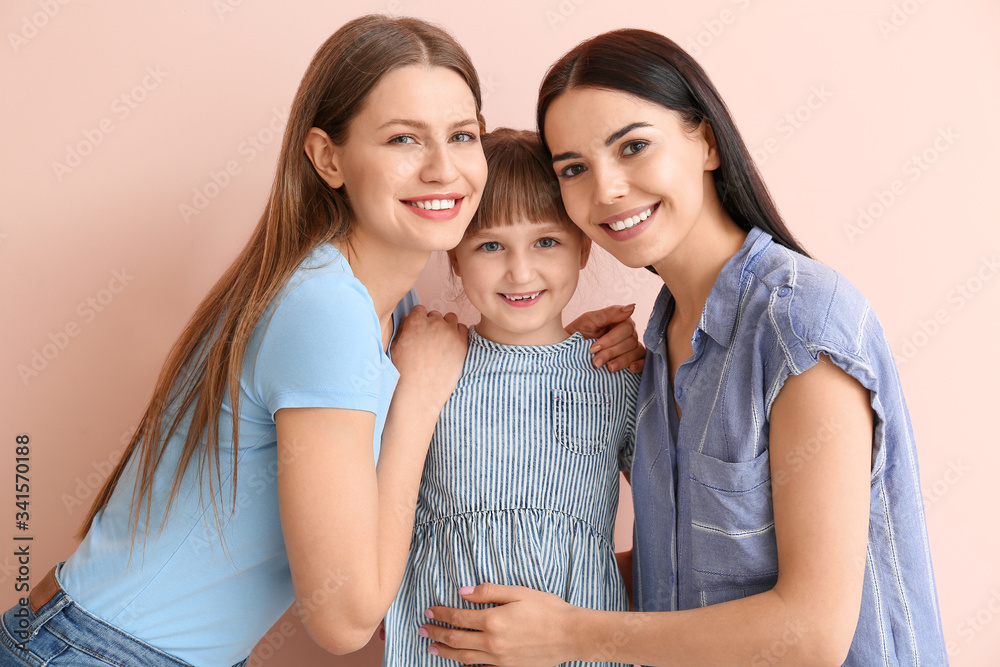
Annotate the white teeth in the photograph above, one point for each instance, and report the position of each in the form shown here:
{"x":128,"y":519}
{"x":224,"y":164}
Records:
{"x":433,"y":204}
{"x":632,"y":221}
{"x":522,"y":297}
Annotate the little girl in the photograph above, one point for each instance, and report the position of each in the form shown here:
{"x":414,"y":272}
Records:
{"x":520,"y":484}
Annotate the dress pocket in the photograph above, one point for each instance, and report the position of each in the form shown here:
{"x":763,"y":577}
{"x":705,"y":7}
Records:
{"x":581,"y":420}
{"x":732,"y":525}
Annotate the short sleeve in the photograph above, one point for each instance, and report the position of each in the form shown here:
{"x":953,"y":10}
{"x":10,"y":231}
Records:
{"x":321,"y":347}
{"x":626,"y":452}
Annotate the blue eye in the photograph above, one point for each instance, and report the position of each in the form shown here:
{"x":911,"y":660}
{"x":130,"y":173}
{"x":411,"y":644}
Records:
{"x":547,"y":243}
{"x":571,"y":170}
{"x":403,"y":139}
{"x":633,"y":147}
{"x":491,"y":246}
{"x":464,"y":137}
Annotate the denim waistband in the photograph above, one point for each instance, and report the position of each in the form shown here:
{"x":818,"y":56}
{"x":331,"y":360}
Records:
{"x":64,"y":634}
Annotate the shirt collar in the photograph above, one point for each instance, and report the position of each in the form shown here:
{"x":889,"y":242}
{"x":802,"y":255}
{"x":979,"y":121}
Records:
{"x":718,"y":318}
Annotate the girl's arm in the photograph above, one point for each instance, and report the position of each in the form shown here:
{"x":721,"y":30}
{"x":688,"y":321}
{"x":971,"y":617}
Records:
{"x":617,"y":341}
{"x":347,"y":522}
{"x":820,"y":453}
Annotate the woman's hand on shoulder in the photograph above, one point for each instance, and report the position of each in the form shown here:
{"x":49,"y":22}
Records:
{"x":429,"y":352}
{"x":617,"y":342}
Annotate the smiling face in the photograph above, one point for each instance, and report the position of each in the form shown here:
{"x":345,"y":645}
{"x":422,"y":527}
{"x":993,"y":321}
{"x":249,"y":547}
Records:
{"x":520,"y":278}
{"x":412,"y":165}
{"x":632,"y":176}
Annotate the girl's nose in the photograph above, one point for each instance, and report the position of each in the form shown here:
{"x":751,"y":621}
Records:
{"x":520,"y":268}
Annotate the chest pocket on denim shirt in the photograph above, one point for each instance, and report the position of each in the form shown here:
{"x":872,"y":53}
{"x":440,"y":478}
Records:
{"x":581,"y":420}
{"x":732,"y":526}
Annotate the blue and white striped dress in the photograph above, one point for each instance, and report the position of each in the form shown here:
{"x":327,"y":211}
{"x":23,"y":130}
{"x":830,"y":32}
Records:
{"x":520,"y":486}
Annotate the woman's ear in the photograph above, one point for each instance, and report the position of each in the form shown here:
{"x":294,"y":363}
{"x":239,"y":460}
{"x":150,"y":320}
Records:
{"x":585,"y":252}
{"x":712,"y":161}
{"x":325,"y":157}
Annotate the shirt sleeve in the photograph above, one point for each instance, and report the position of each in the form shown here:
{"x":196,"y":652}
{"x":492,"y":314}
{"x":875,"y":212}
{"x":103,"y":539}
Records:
{"x":626,"y":453}
{"x":321,"y":347}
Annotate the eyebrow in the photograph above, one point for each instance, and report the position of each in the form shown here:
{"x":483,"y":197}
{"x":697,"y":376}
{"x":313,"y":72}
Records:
{"x":615,"y":136}
{"x":546,"y":228}
{"x":421,"y":125}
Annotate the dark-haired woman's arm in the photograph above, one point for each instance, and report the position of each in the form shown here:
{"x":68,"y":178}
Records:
{"x":821,"y":505}
{"x":617,"y":343}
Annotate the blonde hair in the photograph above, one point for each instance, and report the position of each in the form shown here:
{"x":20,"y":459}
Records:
{"x":302,"y":212}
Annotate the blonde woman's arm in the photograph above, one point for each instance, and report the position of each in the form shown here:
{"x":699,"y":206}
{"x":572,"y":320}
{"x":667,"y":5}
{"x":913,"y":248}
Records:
{"x":347,"y":522}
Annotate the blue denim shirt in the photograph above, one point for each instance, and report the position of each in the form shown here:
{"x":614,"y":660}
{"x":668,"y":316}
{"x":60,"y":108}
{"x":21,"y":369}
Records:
{"x":704,"y":523}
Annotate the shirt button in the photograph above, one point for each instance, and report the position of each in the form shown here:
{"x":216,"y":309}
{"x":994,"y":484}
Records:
{"x":783,"y":291}
{"x":680,"y":392}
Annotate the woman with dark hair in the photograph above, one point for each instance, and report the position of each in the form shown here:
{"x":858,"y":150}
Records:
{"x":268,"y":467}
{"x":779,"y":517}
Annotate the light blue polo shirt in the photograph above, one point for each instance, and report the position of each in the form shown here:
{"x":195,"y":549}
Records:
{"x":318,"y":345}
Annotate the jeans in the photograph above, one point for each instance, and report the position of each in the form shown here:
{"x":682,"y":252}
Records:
{"x":64,"y":634}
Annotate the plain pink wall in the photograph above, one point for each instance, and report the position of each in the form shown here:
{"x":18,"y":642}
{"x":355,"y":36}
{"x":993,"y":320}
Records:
{"x":873,"y":121}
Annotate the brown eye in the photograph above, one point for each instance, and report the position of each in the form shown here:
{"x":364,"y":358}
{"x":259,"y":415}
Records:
{"x":633,"y":147}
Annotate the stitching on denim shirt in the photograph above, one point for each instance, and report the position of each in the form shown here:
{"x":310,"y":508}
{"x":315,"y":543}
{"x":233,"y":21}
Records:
{"x":878,"y":606}
{"x":829,"y":307}
{"x":735,"y":533}
{"x":858,"y":342}
{"x":897,"y":575}
{"x":716,"y":488}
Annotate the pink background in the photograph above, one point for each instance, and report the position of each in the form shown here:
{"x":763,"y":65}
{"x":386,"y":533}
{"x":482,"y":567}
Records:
{"x":873,"y":106}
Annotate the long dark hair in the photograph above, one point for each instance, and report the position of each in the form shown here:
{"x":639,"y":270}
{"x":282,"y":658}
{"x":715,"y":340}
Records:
{"x":650,"y":66}
{"x":302,"y":212}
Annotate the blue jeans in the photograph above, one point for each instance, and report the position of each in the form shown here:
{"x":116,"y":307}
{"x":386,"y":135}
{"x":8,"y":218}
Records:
{"x":64,"y":634}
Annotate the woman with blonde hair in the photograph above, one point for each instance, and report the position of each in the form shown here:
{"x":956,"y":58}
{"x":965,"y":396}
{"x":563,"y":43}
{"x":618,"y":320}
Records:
{"x":268,"y":467}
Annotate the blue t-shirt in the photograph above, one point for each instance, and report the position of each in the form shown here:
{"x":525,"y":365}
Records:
{"x":318,"y":344}
{"x":704,"y":522}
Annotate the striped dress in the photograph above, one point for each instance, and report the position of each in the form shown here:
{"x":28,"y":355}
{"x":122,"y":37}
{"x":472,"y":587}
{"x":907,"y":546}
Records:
{"x":520,"y":486}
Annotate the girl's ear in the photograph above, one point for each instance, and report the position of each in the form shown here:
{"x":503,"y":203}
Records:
{"x":325,"y":157}
{"x":712,"y":161}
{"x":453,"y":260}
{"x":585,"y":252}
